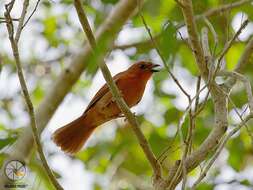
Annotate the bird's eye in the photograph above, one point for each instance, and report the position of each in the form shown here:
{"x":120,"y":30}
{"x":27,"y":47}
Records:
{"x":142,"y":66}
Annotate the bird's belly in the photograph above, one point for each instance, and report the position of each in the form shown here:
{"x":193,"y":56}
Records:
{"x":105,"y":110}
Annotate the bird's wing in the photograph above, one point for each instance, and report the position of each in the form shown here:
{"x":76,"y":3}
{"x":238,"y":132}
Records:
{"x":102,"y":91}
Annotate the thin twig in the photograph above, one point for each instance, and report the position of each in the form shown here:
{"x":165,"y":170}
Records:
{"x":189,"y":137}
{"x":2,"y":20}
{"x":182,"y":168}
{"x":215,"y":36}
{"x":179,"y":128}
{"x":202,"y":105}
{"x":30,"y":16}
{"x":225,"y":7}
{"x":161,"y":56}
{"x":230,"y":42}
{"x":193,"y":119}
{"x":207,"y":14}
{"x":246,"y":83}
{"x":245,"y":56}
{"x":176,"y":174}
{"x":21,"y":20}
{"x":29,"y":104}
{"x":119,"y":100}
{"x":220,"y":107}
{"x":217,"y":10}
{"x":187,"y":10}
{"x":240,"y":115}
{"x":225,"y":50}
{"x":162,"y":156}
{"x":244,"y":59}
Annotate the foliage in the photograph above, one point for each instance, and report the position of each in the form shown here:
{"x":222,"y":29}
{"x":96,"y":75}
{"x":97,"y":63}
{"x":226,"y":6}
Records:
{"x":56,"y":36}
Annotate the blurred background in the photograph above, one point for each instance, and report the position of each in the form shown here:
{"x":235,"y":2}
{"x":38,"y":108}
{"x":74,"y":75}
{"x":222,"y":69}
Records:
{"x":112,"y":159}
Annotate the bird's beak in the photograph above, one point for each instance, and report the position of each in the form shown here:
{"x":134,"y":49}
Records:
{"x":154,"y":68}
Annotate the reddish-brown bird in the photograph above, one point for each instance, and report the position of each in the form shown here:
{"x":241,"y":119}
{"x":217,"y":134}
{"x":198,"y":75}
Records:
{"x":103,"y":107}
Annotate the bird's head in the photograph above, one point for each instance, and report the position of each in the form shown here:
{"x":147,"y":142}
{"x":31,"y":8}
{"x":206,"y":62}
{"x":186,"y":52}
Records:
{"x":143,"y":69}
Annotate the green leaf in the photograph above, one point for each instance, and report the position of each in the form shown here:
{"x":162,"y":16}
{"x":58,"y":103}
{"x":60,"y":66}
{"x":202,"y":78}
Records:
{"x":233,"y":55}
{"x":110,"y":1}
{"x":245,"y":182}
{"x":7,"y":141}
{"x":50,"y":29}
{"x":168,"y":41}
{"x":2,"y":158}
{"x":158,"y":137}
{"x":187,"y":59}
{"x":171,"y":115}
{"x":236,"y":153}
{"x":205,"y":186}
{"x":37,"y":95}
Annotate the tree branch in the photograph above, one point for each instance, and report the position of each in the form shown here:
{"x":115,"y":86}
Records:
{"x":223,"y":8}
{"x":15,"y":50}
{"x":21,"y":20}
{"x":230,"y":42}
{"x":30,"y":16}
{"x":115,"y":92}
{"x":193,"y":37}
{"x":220,"y":99}
{"x":244,"y":59}
{"x":246,"y":83}
{"x":217,"y":10}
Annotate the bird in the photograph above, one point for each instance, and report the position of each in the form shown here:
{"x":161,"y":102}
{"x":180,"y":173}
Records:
{"x":131,"y":84}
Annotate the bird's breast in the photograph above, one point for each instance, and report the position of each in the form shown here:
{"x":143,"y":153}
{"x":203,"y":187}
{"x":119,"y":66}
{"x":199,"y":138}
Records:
{"x":131,"y":90}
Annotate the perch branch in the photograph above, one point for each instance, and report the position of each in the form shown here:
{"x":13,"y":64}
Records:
{"x":115,"y":92}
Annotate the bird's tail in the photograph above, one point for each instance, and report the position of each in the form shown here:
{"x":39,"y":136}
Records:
{"x":72,"y":136}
